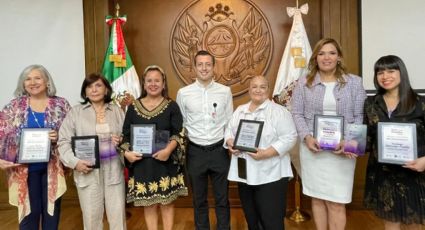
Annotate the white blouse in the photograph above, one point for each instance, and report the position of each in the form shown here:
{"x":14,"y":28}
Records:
{"x":329,"y":102}
{"x":278,"y":131}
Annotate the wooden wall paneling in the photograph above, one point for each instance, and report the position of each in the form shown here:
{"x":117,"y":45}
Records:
{"x":149,"y":44}
{"x":340,"y":21}
{"x":96,"y":33}
{"x":351,"y":35}
{"x":331,"y":18}
{"x":147,"y":32}
{"x":325,"y":19}
{"x":335,"y":19}
{"x":4,"y":195}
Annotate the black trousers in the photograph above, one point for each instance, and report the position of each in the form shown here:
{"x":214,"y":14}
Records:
{"x":213,"y":162}
{"x":264,"y":205}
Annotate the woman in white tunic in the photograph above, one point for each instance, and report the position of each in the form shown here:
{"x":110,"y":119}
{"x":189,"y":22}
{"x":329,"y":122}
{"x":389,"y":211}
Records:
{"x":262,"y":189}
{"x":327,"y":90}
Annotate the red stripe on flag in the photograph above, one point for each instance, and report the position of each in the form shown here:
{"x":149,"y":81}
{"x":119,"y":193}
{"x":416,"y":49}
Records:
{"x":120,"y":38}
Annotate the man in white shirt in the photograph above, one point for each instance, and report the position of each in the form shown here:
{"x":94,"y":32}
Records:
{"x":206,"y":107}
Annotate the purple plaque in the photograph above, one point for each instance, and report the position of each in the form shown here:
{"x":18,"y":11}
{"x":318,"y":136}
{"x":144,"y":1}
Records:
{"x":328,"y":131}
{"x":355,"y":142}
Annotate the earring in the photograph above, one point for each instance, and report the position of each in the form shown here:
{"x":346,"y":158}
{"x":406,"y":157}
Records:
{"x":48,"y":89}
{"x":338,"y":62}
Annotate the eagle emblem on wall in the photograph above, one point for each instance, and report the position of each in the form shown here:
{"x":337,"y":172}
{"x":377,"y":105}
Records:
{"x":236,"y":33}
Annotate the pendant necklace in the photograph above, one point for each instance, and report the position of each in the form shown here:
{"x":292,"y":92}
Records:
{"x":35,"y":118}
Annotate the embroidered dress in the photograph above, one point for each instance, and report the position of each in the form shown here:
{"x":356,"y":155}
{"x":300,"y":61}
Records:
{"x":152,"y":181}
{"x":394,"y":193}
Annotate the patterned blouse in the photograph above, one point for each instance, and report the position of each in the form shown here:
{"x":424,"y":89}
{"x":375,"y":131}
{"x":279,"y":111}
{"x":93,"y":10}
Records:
{"x":308,"y":101}
{"x":13,"y":118}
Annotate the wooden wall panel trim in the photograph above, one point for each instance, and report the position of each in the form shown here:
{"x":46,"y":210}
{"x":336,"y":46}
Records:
{"x":89,"y":38}
{"x":95,"y":33}
{"x":351,"y":30}
{"x":336,"y":16}
{"x":340,"y":21}
{"x":325,"y":19}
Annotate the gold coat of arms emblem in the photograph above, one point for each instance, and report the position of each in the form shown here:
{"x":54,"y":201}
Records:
{"x":237,"y":33}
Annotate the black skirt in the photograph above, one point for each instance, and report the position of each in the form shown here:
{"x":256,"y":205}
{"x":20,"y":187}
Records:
{"x":154,"y":182}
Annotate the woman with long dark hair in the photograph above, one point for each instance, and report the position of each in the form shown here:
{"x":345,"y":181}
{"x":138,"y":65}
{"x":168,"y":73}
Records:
{"x":396,"y":193}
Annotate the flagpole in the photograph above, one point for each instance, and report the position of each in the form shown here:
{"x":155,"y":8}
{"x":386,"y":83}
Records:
{"x":298,"y":215}
{"x":117,"y":8}
{"x":117,"y":15}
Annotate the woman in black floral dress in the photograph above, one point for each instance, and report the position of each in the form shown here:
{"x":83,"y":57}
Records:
{"x":156,"y":181}
{"x":396,"y":193}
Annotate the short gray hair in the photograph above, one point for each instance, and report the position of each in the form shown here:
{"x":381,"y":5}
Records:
{"x":20,"y":89}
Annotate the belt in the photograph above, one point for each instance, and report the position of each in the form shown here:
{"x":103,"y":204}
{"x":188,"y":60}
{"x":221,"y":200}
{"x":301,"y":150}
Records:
{"x":208,"y":147}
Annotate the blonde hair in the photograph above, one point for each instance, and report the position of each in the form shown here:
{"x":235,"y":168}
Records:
{"x":313,"y":67}
{"x":261,"y":77}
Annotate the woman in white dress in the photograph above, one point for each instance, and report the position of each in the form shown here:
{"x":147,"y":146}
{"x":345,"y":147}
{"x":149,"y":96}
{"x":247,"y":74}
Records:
{"x":327,"y":90}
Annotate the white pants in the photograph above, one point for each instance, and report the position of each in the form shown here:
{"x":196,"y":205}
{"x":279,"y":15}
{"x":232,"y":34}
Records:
{"x":97,"y":197}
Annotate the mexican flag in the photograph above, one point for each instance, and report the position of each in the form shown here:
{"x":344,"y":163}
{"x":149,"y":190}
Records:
{"x":117,"y":66}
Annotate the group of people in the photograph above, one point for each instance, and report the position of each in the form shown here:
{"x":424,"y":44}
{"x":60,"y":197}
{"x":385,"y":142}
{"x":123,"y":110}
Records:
{"x":394,"y":192}
{"x":202,"y":128}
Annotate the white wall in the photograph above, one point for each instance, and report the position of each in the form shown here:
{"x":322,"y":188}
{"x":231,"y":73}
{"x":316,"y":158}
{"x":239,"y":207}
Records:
{"x":394,"y":27}
{"x":46,"y":32}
